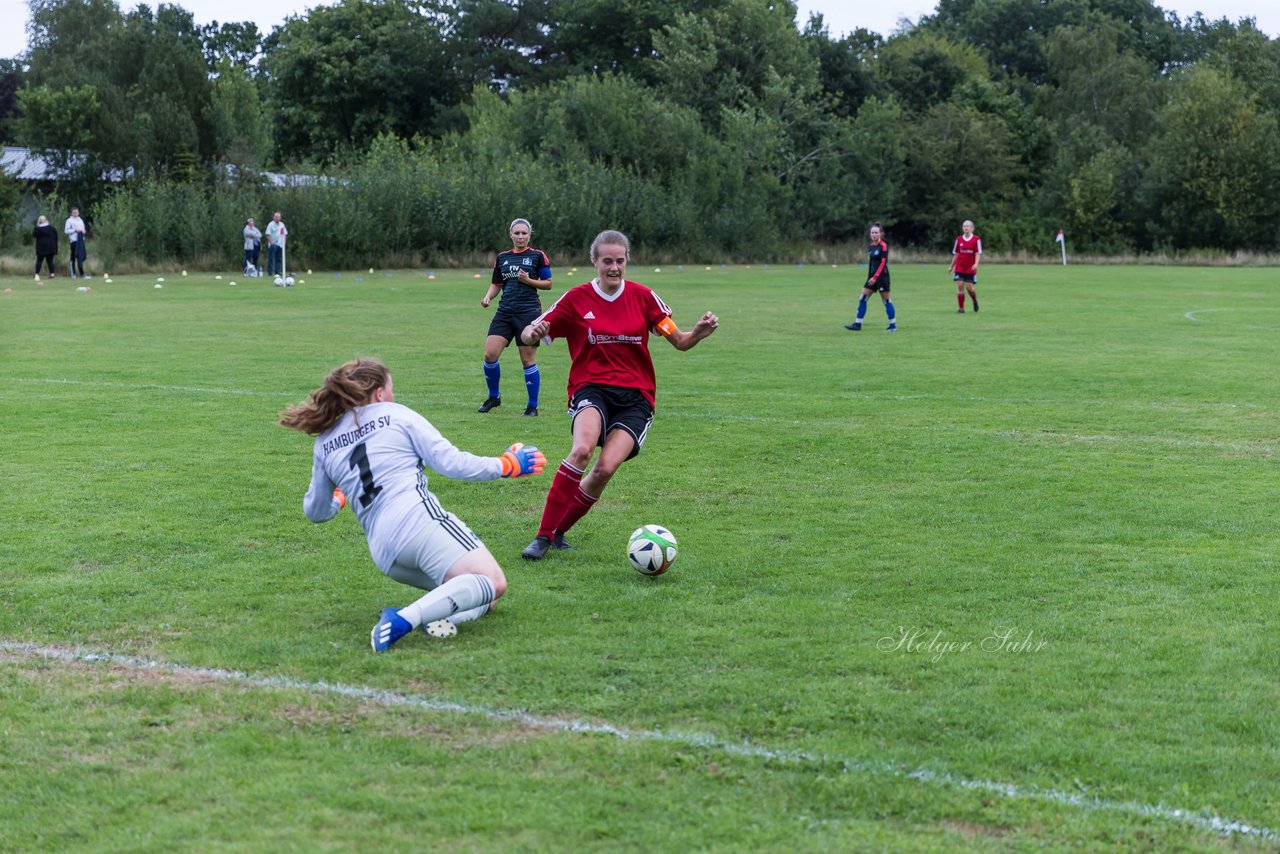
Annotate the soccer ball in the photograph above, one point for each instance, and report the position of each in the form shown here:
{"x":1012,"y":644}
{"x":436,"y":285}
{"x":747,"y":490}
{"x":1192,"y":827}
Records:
{"x":288,"y":281}
{"x":279,"y":282}
{"x":651,"y":550}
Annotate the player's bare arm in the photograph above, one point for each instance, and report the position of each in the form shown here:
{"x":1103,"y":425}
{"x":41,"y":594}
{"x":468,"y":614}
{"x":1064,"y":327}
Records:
{"x":534,"y":332}
{"x":682,"y":340}
{"x":489,"y":295}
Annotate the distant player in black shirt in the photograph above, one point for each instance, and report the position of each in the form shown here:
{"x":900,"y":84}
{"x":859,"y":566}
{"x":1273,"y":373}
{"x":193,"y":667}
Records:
{"x":519,"y":273}
{"x":877,"y":281}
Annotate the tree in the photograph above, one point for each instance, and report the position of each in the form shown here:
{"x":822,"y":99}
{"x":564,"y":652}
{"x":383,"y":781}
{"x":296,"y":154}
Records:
{"x":862,"y":178}
{"x":846,"y":68}
{"x":501,"y":44}
{"x":613,"y":36}
{"x":58,"y":121}
{"x":921,"y":69}
{"x":147,"y":73}
{"x":1241,"y":51}
{"x":725,"y":57}
{"x":346,"y":73}
{"x":1012,"y":33}
{"x":11,"y":75}
{"x":237,"y":43}
{"x":237,"y":118}
{"x":1213,"y":177}
{"x":960,"y":162}
{"x":1095,"y":81}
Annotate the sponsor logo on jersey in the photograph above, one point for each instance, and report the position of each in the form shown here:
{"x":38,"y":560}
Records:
{"x":613,"y":339}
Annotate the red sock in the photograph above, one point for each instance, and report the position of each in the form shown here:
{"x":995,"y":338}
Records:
{"x":564,"y":486}
{"x":577,"y":508}
{"x":960,"y":299}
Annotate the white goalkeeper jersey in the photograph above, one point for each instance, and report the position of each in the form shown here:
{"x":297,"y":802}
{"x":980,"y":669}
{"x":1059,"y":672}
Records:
{"x":375,"y":454}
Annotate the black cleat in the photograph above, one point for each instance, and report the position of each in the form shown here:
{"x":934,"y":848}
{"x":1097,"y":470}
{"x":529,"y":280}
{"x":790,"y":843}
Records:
{"x":961,"y":310}
{"x":559,"y":542}
{"x":538,"y":549}
{"x":489,"y":403}
{"x":531,"y":411}
{"x":853,"y":327}
{"x":892,"y":327}
{"x":975,"y":305}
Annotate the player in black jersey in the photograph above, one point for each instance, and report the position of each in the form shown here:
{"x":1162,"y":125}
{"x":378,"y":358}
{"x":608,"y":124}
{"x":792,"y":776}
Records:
{"x":519,"y":273}
{"x":877,"y":281}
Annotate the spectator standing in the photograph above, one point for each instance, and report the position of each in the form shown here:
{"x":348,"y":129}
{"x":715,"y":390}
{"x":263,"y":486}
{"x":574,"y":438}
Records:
{"x":46,"y":245}
{"x":75,"y":231}
{"x":252,"y":247}
{"x":276,"y":235}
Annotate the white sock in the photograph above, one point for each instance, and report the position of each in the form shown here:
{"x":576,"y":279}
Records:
{"x":456,"y":596}
{"x":473,"y":614}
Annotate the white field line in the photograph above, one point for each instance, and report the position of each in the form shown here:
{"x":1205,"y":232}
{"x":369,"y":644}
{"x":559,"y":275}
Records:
{"x":155,"y":387}
{"x":1194,"y":317}
{"x":1200,"y":820}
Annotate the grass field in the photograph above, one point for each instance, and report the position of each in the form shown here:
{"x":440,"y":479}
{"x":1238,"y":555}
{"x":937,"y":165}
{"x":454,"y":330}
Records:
{"x":1003,"y":581}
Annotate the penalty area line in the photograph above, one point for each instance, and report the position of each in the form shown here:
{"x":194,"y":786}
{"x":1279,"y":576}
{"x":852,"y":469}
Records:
{"x":1026,"y":792}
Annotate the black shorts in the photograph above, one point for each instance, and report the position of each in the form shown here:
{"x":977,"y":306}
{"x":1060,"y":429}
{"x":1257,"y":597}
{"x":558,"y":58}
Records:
{"x":971,"y":278}
{"x":508,"y":326}
{"x":881,"y":285}
{"x":620,"y":409}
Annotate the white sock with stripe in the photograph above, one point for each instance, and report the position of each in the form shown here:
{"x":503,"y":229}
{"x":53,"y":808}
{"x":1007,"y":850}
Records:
{"x":456,"y":596}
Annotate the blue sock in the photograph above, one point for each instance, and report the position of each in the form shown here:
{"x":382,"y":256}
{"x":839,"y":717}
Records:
{"x":532,"y":381}
{"x":889,"y":310}
{"x":862,"y":309}
{"x":492,"y":374}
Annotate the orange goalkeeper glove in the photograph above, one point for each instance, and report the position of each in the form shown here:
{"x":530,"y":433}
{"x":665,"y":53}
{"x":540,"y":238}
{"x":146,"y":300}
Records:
{"x":520,"y":460}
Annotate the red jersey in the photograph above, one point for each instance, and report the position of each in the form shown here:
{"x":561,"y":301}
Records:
{"x":608,"y":336}
{"x":966,"y":253}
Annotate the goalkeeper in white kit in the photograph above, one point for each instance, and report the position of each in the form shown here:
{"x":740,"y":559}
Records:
{"x":372,"y":450}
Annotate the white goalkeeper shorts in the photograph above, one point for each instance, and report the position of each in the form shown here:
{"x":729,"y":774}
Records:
{"x":437,"y":545}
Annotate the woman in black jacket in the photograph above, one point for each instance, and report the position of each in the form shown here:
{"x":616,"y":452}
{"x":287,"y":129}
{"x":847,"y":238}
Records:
{"x":46,"y":245}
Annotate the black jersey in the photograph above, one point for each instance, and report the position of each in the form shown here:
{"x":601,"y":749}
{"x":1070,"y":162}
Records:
{"x":878,"y":266}
{"x":519,"y":298}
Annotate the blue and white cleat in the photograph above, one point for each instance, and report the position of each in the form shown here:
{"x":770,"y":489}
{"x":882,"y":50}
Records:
{"x":389,"y":629}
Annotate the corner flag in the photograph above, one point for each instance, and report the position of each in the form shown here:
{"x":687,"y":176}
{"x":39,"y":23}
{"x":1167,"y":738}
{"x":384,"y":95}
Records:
{"x":1063,"y":241}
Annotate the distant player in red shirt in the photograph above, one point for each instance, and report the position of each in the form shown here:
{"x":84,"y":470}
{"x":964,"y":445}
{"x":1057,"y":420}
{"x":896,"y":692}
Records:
{"x":966,"y":254}
{"x":606,"y":323}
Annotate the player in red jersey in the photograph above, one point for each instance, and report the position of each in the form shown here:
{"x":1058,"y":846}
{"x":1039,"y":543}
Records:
{"x":606,"y":323}
{"x":966,"y":255}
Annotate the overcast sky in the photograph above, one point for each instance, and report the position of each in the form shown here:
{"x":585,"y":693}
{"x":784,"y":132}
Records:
{"x":841,"y":16}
